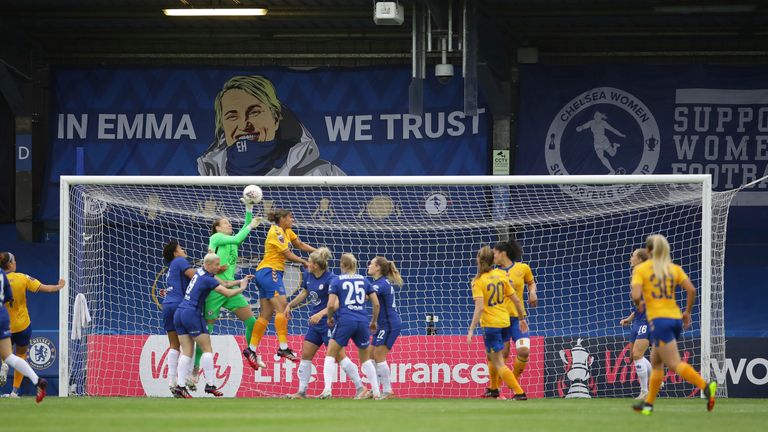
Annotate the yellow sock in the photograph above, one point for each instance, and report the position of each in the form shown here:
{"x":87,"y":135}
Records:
{"x":281,"y":325}
{"x":520,"y":365}
{"x":258,"y":331}
{"x":689,"y":374}
{"x":17,"y":378}
{"x":657,"y":376}
{"x":509,"y":379}
{"x":493,"y":376}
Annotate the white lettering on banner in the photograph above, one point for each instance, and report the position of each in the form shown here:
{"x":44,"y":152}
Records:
{"x":715,"y":128}
{"x":728,"y":369}
{"x":124,"y":126}
{"x":417,"y":373}
{"x":153,"y":372}
{"x":402,"y":126}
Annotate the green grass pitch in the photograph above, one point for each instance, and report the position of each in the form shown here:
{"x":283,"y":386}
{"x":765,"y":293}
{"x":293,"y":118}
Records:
{"x":340,"y":415}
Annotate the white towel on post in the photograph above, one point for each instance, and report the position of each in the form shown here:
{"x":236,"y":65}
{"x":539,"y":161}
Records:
{"x":81,"y":317}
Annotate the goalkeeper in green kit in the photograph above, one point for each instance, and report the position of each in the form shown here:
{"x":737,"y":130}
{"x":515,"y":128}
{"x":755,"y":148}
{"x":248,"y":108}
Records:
{"x":226,"y":246}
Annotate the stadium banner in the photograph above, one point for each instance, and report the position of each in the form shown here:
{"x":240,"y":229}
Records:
{"x":602,"y":367}
{"x":441,"y":367}
{"x":261,"y":121}
{"x":745,"y":368}
{"x":637,"y":119}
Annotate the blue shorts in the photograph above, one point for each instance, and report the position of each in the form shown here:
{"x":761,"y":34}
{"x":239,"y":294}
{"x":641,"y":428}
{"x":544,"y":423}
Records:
{"x":22,"y":338}
{"x":270,"y":283}
{"x":639,"y":331}
{"x":506,"y":334}
{"x":516,"y":334}
{"x":386,"y":336}
{"x":318,"y":334}
{"x":355,"y":330}
{"x":665,"y":330}
{"x":492,"y":339}
{"x":168,"y":311}
{"x":189,"y":322}
{"x":5,"y":323}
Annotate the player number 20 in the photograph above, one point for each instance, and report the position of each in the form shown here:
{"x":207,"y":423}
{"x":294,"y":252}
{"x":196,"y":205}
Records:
{"x":497,"y":294}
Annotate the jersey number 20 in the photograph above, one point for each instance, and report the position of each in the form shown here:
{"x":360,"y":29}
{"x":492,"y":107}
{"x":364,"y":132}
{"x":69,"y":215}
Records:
{"x":497,"y":294}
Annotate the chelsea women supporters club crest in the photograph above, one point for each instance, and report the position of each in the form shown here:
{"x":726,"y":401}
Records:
{"x":604,"y":130}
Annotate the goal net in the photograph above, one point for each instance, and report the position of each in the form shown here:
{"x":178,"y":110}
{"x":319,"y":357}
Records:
{"x":577,"y":234}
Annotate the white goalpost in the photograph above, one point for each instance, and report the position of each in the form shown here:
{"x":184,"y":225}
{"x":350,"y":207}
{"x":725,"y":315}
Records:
{"x":577,"y":233}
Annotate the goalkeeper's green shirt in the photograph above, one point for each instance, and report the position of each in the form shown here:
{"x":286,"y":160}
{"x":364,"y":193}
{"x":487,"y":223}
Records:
{"x":226,"y":247}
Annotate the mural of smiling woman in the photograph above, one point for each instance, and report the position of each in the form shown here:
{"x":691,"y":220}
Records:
{"x":257,"y":135}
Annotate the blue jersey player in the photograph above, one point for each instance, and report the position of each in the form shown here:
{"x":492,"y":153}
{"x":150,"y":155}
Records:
{"x":191,"y":326}
{"x":385,"y":274}
{"x":347,"y":295}
{"x":639,"y":333}
{"x":6,"y":352}
{"x":315,"y":286}
{"x":180,"y":272}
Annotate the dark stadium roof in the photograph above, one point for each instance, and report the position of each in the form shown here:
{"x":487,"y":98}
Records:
{"x":313,"y":32}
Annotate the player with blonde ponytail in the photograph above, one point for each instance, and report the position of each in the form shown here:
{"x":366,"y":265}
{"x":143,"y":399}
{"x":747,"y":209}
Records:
{"x":654,"y":281}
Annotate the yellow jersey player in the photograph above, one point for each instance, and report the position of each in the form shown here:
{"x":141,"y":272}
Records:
{"x":20,"y":323}
{"x":655,"y":281}
{"x":507,"y":256}
{"x":490,"y":289}
{"x":269,"y":278}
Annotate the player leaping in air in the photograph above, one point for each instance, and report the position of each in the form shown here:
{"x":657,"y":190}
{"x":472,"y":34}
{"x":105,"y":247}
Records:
{"x":490,"y":288}
{"x":655,"y":281}
{"x":269,"y":278}
{"x":316,"y":283}
{"x":190,"y":324}
{"x":226,"y":246}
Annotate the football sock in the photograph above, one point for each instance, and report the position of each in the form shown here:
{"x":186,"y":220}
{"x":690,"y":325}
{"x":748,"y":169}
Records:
{"x":520,"y":365}
{"x":22,"y":366}
{"x":509,"y":379}
{"x":689,"y":374}
{"x":172,"y":361}
{"x":281,"y":326}
{"x":305,"y":373}
{"x":259,"y":327}
{"x":329,"y":369}
{"x":384,"y":376}
{"x":642,"y":374}
{"x":206,"y":361}
{"x":369,"y":369}
{"x":493,"y":376}
{"x":350,"y":368}
{"x":657,"y":377}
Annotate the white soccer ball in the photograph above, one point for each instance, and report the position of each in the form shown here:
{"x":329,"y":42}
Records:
{"x":252,"y":194}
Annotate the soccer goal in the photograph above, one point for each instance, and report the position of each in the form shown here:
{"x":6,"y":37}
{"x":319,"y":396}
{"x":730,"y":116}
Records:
{"x":577,"y":233}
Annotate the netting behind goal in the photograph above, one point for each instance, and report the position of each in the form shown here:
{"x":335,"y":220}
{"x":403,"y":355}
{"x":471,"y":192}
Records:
{"x":576,"y":238}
